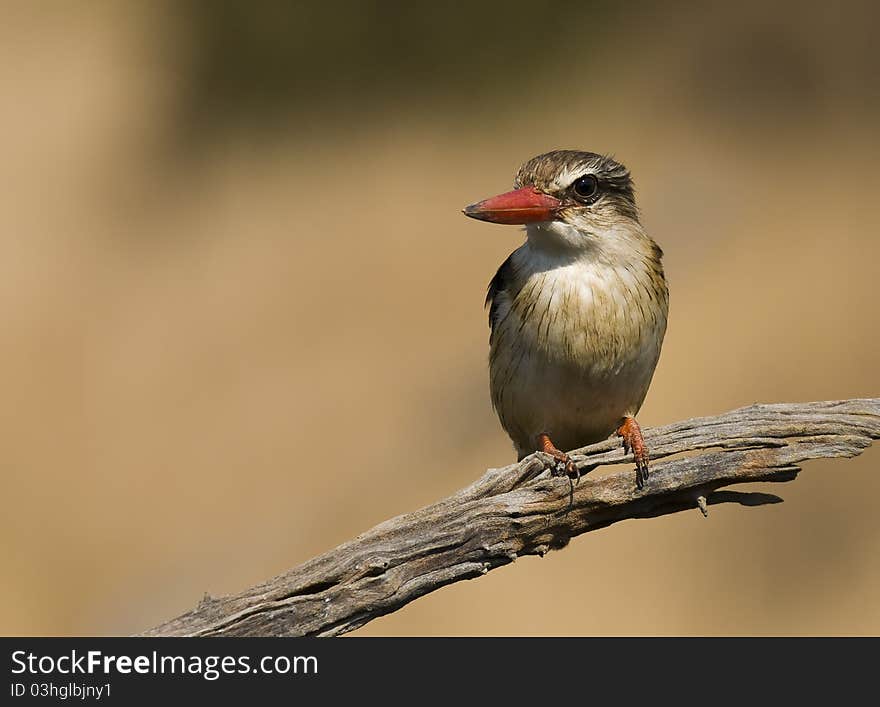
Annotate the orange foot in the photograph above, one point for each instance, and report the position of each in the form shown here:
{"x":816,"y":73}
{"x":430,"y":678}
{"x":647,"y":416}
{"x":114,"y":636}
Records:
{"x":633,"y":442}
{"x":564,"y":466}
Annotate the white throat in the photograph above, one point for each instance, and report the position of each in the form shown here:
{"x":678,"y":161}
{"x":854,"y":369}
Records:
{"x":617,"y":244}
{"x":556,"y":235}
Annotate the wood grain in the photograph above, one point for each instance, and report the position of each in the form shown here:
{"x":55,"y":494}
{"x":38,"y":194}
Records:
{"x":522,"y":510}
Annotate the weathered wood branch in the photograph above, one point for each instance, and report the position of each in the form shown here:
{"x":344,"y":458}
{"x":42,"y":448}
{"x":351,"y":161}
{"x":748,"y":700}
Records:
{"x":522,"y":510}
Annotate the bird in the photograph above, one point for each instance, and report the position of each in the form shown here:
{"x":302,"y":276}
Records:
{"x":577,"y":313}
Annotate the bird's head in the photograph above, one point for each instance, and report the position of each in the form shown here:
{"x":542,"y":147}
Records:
{"x":566,"y":198}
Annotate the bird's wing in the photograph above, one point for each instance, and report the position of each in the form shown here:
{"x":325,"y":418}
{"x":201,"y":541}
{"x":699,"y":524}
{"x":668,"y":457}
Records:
{"x":500,"y":284}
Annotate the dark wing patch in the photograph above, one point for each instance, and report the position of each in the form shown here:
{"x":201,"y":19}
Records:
{"x":502,"y":281}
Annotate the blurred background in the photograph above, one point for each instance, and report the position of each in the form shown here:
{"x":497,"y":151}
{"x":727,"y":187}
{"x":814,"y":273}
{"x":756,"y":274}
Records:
{"x":238,"y":296}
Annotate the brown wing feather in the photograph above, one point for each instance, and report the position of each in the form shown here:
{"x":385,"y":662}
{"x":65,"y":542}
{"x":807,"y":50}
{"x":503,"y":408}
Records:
{"x":501,"y":282}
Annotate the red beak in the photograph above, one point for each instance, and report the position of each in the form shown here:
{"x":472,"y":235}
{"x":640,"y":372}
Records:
{"x":526,"y":205}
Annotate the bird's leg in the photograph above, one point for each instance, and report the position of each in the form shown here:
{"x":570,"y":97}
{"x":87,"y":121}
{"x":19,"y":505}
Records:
{"x":633,"y":442}
{"x":564,"y":466}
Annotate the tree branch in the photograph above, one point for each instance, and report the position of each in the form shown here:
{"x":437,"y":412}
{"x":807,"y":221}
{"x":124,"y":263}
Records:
{"x":522,"y":510}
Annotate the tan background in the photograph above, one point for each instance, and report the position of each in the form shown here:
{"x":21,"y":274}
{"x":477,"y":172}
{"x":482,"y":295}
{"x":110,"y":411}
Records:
{"x":238,"y":298}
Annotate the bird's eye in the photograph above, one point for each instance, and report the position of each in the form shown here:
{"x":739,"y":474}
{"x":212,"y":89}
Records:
{"x":586,"y":187}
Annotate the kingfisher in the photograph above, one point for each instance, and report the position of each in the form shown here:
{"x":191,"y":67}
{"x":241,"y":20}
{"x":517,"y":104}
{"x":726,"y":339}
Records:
{"x":578,"y":312}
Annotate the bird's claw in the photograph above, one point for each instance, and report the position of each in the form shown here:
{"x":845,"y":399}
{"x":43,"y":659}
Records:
{"x":642,"y":471}
{"x":634,"y":443}
{"x":564,"y":466}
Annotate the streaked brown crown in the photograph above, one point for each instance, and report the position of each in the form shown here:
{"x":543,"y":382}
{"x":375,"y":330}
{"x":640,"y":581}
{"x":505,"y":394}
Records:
{"x":554,"y":173}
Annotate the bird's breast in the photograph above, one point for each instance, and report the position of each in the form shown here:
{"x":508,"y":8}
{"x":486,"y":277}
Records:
{"x":593,"y":317}
{"x":574,"y":348}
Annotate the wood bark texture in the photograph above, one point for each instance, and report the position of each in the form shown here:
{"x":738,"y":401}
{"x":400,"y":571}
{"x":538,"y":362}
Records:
{"x":521,"y":509}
